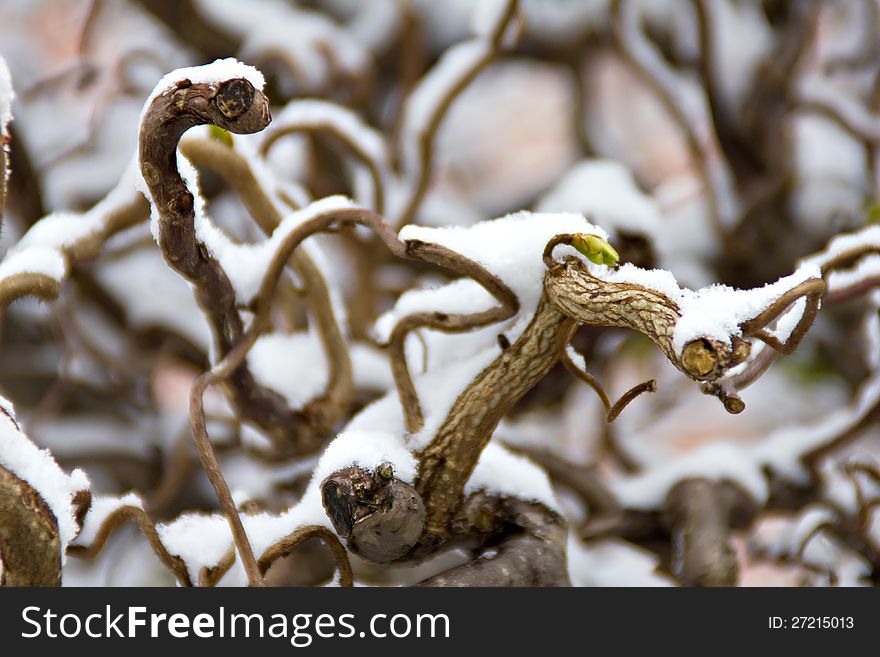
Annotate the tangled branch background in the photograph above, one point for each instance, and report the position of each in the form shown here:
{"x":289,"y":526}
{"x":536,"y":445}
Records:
{"x":481,"y":292}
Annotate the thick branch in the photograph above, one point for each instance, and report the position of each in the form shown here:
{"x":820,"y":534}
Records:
{"x":446,"y":464}
{"x":29,"y":544}
{"x":530,"y":552}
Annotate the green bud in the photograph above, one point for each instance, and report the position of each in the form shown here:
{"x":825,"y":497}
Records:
{"x":595,"y":248}
{"x":221,"y":135}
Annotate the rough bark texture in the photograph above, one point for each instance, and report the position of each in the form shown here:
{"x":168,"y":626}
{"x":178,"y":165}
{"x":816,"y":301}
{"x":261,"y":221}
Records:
{"x":380,"y":516}
{"x":590,"y":300}
{"x":29,"y":543}
{"x":235,"y":106}
{"x":530,"y":550}
{"x":446,"y":464}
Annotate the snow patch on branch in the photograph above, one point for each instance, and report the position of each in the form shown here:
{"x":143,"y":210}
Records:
{"x":38,"y":260}
{"x":292,"y":365}
{"x":715,"y":311}
{"x":511,"y":247}
{"x":312,"y":46}
{"x":612,"y":562}
{"x":39,"y":469}
{"x":200,"y":540}
{"x":43,"y":248}
{"x":244,"y":264}
{"x":220,"y":70}
{"x":605,"y":191}
{"x":718,"y":462}
{"x":315,"y":113}
{"x":7,"y":95}
{"x":101,"y":508}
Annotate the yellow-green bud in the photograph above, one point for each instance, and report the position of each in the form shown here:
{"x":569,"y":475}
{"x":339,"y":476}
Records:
{"x":595,"y":249}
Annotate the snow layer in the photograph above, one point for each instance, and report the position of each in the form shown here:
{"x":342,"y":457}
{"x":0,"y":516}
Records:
{"x":244,"y":264}
{"x":38,"y":468}
{"x":715,"y":311}
{"x":7,"y":95}
{"x":198,"y":539}
{"x":867,"y":268}
{"x":312,"y":45}
{"x":315,"y":113}
{"x":293,"y":365}
{"x":511,"y":249}
{"x":719,"y":461}
{"x":38,"y":260}
{"x":41,"y":249}
{"x":869,"y":236}
{"x":605,"y":191}
{"x":612,"y":562}
{"x":217,"y":71}
{"x":101,"y":508}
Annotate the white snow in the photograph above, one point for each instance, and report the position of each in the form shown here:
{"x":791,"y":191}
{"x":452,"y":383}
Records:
{"x":604,"y":191}
{"x":511,"y":247}
{"x":463,"y":295}
{"x":869,"y":236}
{"x":316,"y":113}
{"x":153,"y":295}
{"x":715,"y":311}
{"x":244,"y":264}
{"x":217,"y":71}
{"x":718,"y":461}
{"x":37,"y":260}
{"x":612,"y":562}
{"x":7,"y":95}
{"x":198,"y":539}
{"x":867,"y":267}
{"x":38,"y":468}
{"x":576,"y":358}
{"x":43,"y":248}
{"x":370,"y":367}
{"x":487,"y":16}
{"x":101,"y":508}
{"x":293,"y":365}
{"x":501,"y":472}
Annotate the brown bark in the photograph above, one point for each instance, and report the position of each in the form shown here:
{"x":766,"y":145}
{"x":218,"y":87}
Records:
{"x":698,"y":516}
{"x":29,"y":544}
